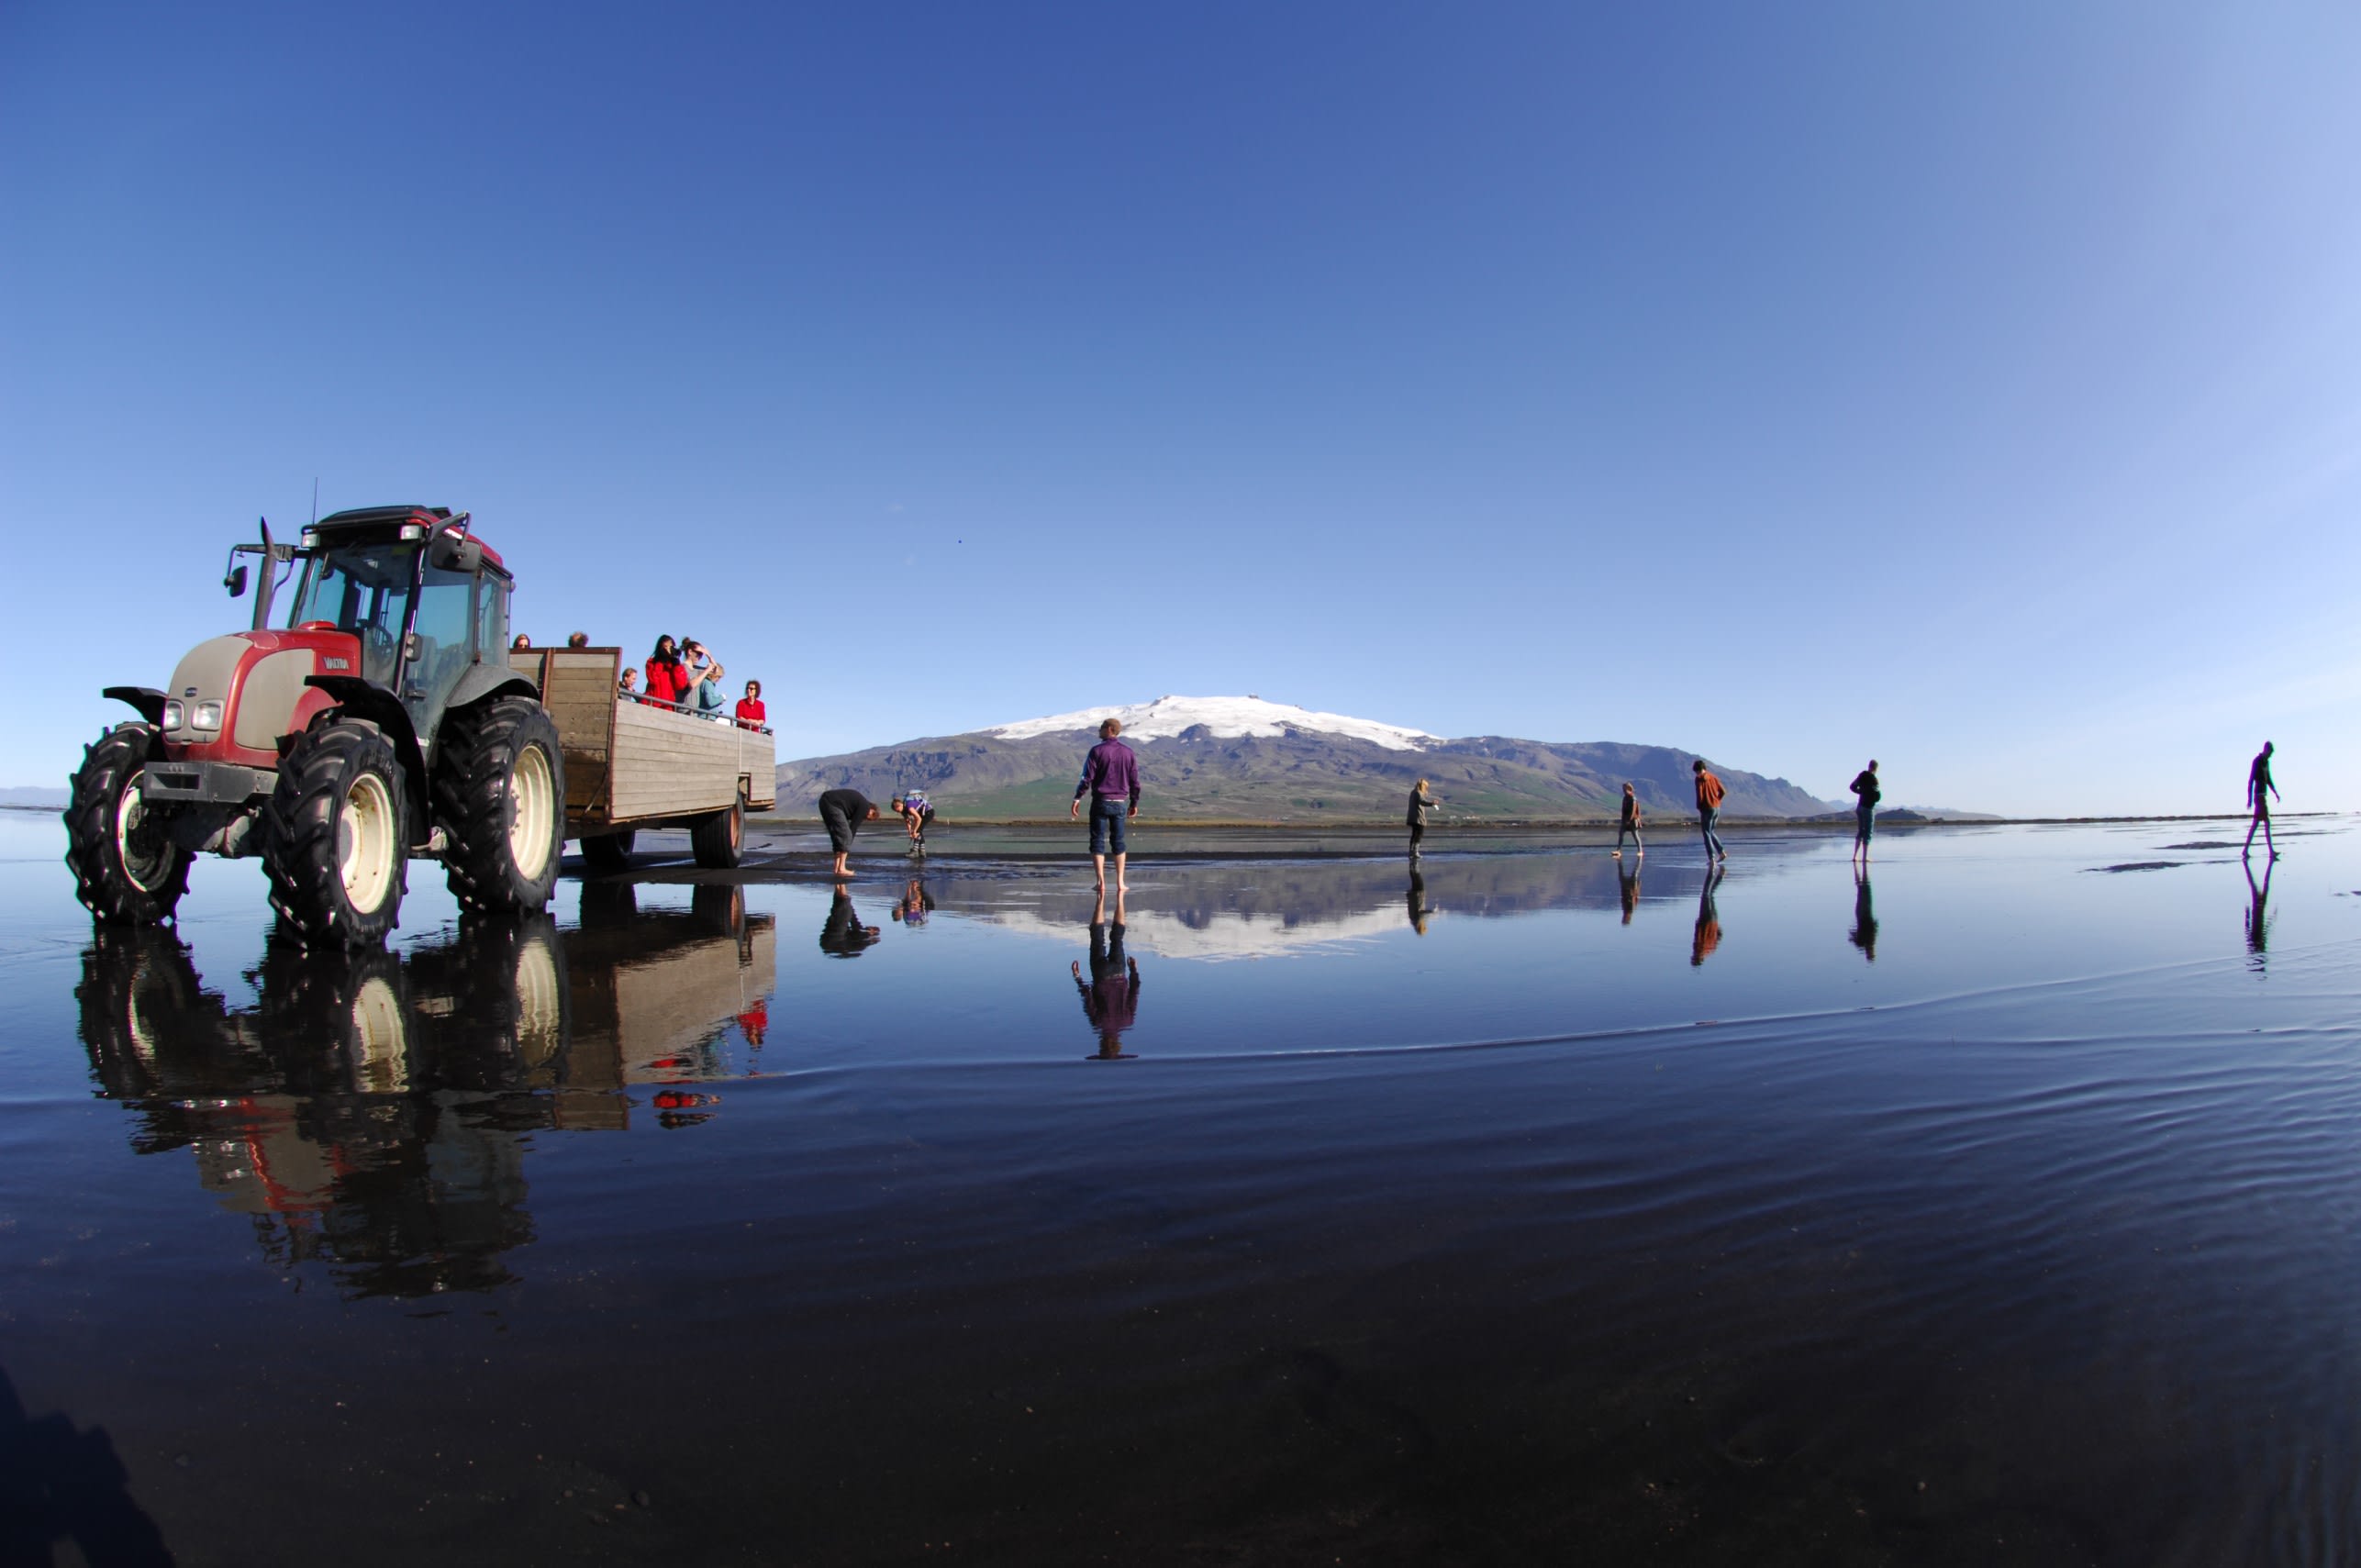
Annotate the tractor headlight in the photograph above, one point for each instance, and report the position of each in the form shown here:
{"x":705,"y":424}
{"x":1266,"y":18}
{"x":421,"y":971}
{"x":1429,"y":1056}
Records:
{"x":209,"y":717}
{"x":173,"y":714}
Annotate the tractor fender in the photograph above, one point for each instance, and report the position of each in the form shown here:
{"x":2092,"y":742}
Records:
{"x":382,"y":708}
{"x":147,"y":699}
{"x":486,"y":680}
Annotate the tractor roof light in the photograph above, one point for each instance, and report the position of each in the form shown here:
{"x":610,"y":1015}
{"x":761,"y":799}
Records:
{"x":311,"y":538}
{"x":413,"y":530}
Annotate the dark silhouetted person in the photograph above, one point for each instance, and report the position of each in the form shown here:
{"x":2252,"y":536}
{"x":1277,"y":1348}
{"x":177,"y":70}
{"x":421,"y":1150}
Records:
{"x":1629,"y":822}
{"x":1110,"y":997}
{"x":842,"y":812}
{"x":843,"y":935}
{"x":577,"y":639}
{"x":2259,"y":789}
{"x":1864,"y":813}
{"x":1630,"y":889}
{"x":64,"y":1483}
{"x":1708,"y":920}
{"x":1419,"y":908}
{"x":1421,"y":804}
{"x":1710,"y":794}
{"x":1110,"y":777}
{"x":2258,"y":912}
{"x":1863,"y":934}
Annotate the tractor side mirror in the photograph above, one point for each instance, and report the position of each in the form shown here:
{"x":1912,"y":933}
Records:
{"x":236,"y":582}
{"x":452,"y":553}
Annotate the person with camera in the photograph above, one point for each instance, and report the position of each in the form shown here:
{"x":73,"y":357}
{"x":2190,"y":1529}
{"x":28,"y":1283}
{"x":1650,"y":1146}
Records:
{"x":705,"y":698}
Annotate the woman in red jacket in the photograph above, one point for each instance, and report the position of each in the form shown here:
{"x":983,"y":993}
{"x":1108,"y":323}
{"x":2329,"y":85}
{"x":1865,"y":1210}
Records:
{"x":667,"y":677}
{"x":750,"y":712}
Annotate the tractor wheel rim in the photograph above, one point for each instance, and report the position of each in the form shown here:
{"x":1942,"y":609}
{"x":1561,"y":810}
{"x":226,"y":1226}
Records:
{"x":364,"y":843}
{"x":381,"y":1057}
{"x":145,"y":867}
{"x":532,"y":811}
{"x":540,"y":1009}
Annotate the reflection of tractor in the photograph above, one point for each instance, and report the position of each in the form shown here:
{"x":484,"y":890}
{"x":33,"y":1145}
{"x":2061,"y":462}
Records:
{"x":384,"y":720}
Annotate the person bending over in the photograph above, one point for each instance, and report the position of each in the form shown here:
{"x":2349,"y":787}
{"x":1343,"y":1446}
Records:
{"x":916,"y":813}
{"x":842,"y":812}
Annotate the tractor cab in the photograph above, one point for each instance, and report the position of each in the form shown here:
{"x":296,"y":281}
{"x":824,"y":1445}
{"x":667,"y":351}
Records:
{"x":423,"y":600}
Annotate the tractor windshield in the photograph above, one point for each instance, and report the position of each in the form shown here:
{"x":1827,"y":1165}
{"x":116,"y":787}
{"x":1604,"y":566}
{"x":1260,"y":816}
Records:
{"x":363,"y":589}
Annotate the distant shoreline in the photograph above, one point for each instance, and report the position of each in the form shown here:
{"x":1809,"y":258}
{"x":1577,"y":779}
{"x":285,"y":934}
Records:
{"x":1436,"y":831}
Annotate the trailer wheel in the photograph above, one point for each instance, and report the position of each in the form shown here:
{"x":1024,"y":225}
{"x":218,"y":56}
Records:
{"x":127,"y":870}
{"x":335,"y":837}
{"x":500,"y":790}
{"x":609,"y":852}
{"x":719,"y":838}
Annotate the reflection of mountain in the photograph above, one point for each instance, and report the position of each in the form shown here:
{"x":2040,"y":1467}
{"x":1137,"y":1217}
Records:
{"x":372,"y":1109}
{"x":1233,"y":909}
{"x":1243,"y":758}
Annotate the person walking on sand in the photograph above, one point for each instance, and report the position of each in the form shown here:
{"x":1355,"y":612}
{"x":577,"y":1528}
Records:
{"x":1709,"y":808}
{"x":1421,"y":804}
{"x":1865,"y":815}
{"x":1110,"y":776}
{"x":2259,"y":789}
{"x":1630,"y":823}
{"x":842,"y":812}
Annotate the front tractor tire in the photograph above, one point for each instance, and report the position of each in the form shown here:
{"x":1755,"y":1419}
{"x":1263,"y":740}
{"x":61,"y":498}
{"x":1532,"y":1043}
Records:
{"x":336,"y":839}
{"x":126,"y":869}
{"x":500,"y":794}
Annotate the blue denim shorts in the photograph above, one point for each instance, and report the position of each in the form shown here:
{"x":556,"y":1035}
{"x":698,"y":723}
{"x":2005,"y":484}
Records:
{"x":1107,"y":822}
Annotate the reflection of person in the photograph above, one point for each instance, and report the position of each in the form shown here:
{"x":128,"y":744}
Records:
{"x":1709,"y":807}
{"x":1420,"y":907}
{"x":1421,"y":804}
{"x":1863,"y":934}
{"x":1110,"y":776}
{"x":2258,"y":912}
{"x":916,"y":905}
{"x":1630,"y":890}
{"x":1628,"y":823}
{"x":1864,"y":814}
{"x":842,"y":812}
{"x":1708,"y":920}
{"x":2259,"y":789}
{"x":1110,"y":997}
{"x":844,"y":936}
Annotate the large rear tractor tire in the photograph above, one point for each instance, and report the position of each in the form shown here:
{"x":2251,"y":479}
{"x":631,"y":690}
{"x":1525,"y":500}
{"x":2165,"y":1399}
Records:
{"x":127,"y":870}
{"x":499,"y":791}
{"x":336,"y":837}
{"x":719,"y":840}
{"x":609,"y":853}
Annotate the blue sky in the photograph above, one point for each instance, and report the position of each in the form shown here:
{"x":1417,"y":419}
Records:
{"x":1976,"y":388}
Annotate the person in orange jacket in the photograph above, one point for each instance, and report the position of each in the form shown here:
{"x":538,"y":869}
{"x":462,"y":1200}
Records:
{"x":1708,"y":806}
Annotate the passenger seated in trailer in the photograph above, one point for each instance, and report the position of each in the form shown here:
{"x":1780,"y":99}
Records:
{"x":626,"y":684}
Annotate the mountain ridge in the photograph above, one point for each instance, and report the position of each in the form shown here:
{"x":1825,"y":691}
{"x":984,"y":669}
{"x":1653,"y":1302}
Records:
{"x":1282,"y":763}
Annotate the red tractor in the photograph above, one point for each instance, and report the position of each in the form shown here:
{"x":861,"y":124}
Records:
{"x":381,"y":721}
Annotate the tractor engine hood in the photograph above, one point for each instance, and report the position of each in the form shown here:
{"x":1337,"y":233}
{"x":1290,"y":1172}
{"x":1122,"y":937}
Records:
{"x":232,"y":697}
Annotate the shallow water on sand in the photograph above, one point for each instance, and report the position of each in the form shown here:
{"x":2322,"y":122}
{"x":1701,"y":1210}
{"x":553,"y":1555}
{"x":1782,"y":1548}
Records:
{"x":1509,"y":1208}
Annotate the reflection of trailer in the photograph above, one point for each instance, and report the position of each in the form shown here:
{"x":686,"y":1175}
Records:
{"x":632,"y":764}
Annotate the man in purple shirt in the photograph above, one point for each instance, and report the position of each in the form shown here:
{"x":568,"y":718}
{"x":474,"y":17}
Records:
{"x":1110,"y":776}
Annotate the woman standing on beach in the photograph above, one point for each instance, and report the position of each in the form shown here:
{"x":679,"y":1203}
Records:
{"x":1630,"y":824}
{"x":1421,"y":804}
{"x":1865,"y":815}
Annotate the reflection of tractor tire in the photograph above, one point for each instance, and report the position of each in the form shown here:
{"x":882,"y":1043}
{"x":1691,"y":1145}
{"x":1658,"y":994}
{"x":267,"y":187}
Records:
{"x":719,"y":908}
{"x":336,"y":837}
{"x":144,"y":1012}
{"x":608,"y":853}
{"x":499,"y":789}
{"x":507,"y":991}
{"x":127,"y":870}
{"x":719,"y":838}
{"x":341,"y":1019}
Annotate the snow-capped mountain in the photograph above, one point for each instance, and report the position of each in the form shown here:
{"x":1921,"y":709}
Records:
{"x":1243,"y":759}
{"x":1223,"y":719}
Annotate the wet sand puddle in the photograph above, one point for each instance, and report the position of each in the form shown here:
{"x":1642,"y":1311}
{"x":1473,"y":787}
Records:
{"x":1521,"y":1206}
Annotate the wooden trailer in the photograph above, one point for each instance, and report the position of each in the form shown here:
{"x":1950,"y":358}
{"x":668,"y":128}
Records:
{"x":632,"y":763}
